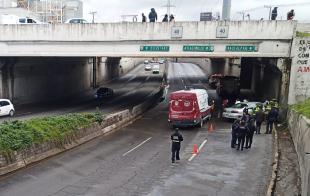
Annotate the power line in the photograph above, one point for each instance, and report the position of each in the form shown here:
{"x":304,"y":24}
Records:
{"x":168,"y":6}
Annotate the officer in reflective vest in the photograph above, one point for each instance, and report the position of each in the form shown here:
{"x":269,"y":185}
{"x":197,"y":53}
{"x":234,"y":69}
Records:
{"x":176,"y":139}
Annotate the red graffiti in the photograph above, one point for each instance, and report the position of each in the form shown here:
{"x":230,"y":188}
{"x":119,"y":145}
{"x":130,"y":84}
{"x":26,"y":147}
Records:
{"x":304,"y":69}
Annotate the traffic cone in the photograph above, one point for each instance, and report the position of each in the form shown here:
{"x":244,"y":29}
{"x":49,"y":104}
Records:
{"x":195,"y":149}
{"x":211,"y":128}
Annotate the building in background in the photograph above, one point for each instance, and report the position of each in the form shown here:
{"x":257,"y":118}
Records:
{"x":50,"y":11}
{"x":226,"y":9}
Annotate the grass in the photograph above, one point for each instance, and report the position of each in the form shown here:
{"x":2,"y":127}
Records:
{"x":17,"y":135}
{"x":303,"y":108}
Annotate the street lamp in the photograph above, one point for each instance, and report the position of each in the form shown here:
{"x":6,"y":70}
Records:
{"x":93,"y":14}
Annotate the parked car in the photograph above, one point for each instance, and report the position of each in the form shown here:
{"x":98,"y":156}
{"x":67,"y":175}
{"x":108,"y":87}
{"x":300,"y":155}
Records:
{"x":161,"y":61}
{"x":214,"y":80}
{"x":77,"y":21}
{"x":155,"y":69}
{"x":189,"y":108}
{"x":236,"y":111}
{"x":6,"y":108}
{"x":147,"y":67}
{"x":104,"y":92}
{"x":146,"y":62}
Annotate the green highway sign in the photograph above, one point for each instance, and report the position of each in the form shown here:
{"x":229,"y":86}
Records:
{"x":198,"y":48}
{"x":154,"y":48}
{"x":241,"y":48}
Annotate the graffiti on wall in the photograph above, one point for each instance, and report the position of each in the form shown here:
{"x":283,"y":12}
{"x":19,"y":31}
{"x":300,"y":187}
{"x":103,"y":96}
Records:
{"x":302,"y":67}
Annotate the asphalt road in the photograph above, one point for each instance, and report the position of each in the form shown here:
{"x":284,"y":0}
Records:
{"x":135,"y":160}
{"x":130,"y":90}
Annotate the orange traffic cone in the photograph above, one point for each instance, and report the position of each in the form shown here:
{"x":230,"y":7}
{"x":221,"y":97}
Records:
{"x":211,"y":128}
{"x":195,"y":149}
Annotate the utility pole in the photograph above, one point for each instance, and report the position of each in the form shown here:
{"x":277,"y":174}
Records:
{"x":93,"y":14}
{"x":169,"y":6}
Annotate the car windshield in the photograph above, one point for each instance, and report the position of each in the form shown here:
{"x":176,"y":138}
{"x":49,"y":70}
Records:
{"x":239,"y":105}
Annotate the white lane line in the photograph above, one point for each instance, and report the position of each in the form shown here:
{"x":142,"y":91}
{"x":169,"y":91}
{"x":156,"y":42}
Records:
{"x":200,"y":147}
{"x":137,"y":146}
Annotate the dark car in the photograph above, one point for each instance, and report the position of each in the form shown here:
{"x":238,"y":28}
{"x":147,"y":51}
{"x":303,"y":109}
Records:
{"x":104,"y":92}
{"x":214,"y":80}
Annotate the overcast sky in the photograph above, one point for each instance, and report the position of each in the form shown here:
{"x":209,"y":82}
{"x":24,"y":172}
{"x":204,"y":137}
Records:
{"x":189,"y":10}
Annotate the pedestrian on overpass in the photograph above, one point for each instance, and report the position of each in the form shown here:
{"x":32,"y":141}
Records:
{"x":171,"y":18}
{"x":259,"y":118}
{"x":153,"y":15}
{"x":250,"y":133}
{"x":290,"y":15}
{"x":274,"y":13}
{"x":165,"y":19}
{"x":143,"y":18}
{"x":241,"y":132}
{"x":176,"y":139}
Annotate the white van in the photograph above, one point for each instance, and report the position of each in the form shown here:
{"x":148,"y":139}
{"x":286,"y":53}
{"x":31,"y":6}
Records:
{"x":155,"y":69}
{"x":6,"y":107}
{"x":13,"y":19}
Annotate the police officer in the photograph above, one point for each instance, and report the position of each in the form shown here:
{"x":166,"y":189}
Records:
{"x":246,"y":116}
{"x":250,"y":133}
{"x":176,"y":139}
{"x":234,"y":131}
{"x":259,"y":118}
{"x":242,"y":130}
{"x":271,"y":118}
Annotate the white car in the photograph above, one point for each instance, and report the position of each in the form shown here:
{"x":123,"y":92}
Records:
{"x":147,"y":67}
{"x":6,"y":107}
{"x":236,"y":111}
{"x":155,"y":69}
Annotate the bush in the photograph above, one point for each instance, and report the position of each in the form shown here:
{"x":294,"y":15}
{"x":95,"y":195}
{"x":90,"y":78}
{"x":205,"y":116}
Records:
{"x":303,"y":108}
{"x":17,"y":135}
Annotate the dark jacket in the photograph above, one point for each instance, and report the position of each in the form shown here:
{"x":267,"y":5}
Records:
{"x":153,"y":15}
{"x":260,"y":116}
{"x":242,"y":131}
{"x":165,"y":19}
{"x":176,"y":139}
{"x":272,"y":115}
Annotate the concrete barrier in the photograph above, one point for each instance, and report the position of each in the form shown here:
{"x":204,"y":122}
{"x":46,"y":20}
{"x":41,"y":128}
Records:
{"x":299,"y":127}
{"x":10,"y":162}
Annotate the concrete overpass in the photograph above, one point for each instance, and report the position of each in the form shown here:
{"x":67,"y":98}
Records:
{"x":180,"y":39}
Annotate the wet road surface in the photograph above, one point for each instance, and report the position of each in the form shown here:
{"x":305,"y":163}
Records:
{"x":135,"y":160}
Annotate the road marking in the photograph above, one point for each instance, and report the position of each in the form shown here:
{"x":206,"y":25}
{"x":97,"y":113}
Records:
{"x":137,"y":146}
{"x":200,"y":147}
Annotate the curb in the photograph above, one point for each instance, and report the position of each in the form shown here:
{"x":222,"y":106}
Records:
{"x":275,"y":163}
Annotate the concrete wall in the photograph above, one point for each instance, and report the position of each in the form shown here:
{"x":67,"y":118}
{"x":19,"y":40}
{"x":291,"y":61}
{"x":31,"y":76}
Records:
{"x":33,"y":80}
{"x":300,"y":69}
{"x":299,"y":127}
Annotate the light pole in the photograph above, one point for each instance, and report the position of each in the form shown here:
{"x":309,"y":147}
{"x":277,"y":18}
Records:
{"x":268,"y":6}
{"x":93,"y":15}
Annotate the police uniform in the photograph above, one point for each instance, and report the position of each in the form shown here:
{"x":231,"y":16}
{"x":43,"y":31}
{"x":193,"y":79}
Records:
{"x":234,"y":131}
{"x":271,"y":118}
{"x":176,"y":139}
{"x":250,"y":133}
{"x":242,"y":130}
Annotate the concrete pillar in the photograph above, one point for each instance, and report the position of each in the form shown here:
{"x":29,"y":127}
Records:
{"x":7,"y":77}
{"x":284,"y":65}
{"x":113,"y":67}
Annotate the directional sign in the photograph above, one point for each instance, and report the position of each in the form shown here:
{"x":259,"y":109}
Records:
{"x":241,"y":48}
{"x":154,"y":48}
{"x":198,"y":48}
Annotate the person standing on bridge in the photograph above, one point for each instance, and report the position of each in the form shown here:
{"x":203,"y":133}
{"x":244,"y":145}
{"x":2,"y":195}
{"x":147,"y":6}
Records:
{"x":143,"y":18}
{"x":165,"y":19}
{"x":153,"y":15}
{"x":176,"y":139}
{"x":171,"y":18}
{"x":274,"y":13}
{"x":290,"y":15}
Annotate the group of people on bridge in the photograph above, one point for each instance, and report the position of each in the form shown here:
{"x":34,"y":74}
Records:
{"x":153,"y":17}
{"x":243,"y":128}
